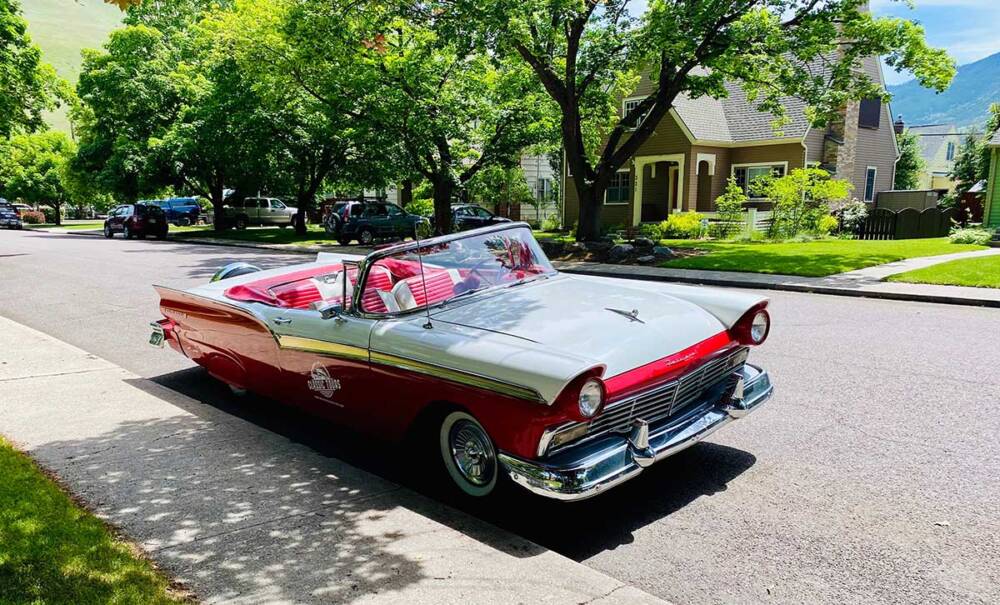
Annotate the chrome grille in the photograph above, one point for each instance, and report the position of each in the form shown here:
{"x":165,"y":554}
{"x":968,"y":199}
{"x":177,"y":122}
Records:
{"x":666,"y":400}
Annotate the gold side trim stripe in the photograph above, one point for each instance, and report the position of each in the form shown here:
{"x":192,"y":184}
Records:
{"x":312,"y":345}
{"x":458,"y":376}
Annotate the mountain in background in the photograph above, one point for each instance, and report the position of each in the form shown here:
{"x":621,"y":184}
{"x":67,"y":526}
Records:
{"x":965,"y":103}
{"x":62,"y":28}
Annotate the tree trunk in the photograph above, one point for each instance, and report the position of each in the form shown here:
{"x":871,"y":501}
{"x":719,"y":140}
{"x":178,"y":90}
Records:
{"x":443,"y":186}
{"x":406,"y":193}
{"x":57,"y":206}
{"x":304,"y":202}
{"x":219,"y":214}
{"x":588,"y":228}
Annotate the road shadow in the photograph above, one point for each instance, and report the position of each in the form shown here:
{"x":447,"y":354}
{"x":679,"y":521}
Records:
{"x":609,"y":519}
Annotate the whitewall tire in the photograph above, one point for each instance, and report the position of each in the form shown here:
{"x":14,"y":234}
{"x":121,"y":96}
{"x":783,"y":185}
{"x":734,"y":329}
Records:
{"x":468,"y":454}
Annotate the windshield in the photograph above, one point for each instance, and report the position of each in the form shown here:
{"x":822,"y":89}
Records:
{"x":453,"y":269}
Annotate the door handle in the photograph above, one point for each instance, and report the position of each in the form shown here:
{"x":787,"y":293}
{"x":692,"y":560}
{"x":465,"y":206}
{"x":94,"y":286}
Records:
{"x":281,"y":321}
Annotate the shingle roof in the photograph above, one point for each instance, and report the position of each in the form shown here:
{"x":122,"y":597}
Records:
{"x":735,"y":118}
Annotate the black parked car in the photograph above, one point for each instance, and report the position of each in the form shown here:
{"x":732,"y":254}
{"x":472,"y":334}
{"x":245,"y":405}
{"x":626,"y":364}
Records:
{"x":136,"y":220}
{"x":9,"y":218}
{"x":368,"y":221}
{"x":470,"y":216}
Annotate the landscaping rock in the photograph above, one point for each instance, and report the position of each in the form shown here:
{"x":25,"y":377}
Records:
{"x":599,"y":246}
{"x":643,"y":242}
{"x":645,"y":260}
{"x":663,"y":252}
{"x":620,"y":252}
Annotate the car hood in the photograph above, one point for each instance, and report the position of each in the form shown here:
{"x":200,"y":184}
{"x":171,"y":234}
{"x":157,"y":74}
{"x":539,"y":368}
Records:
{"x":574,"y":315}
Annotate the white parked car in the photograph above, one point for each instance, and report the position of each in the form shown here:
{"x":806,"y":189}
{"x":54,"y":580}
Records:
{"x":478,"y":348}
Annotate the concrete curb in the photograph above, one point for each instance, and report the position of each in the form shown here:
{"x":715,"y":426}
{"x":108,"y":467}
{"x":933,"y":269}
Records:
{"x":225,"y":506}
{"x":948,"y":295}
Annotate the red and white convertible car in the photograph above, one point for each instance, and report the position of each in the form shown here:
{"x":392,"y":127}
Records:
{"x":568,"y":385}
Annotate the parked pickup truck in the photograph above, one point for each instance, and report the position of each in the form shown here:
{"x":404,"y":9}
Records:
{"x":260,"y":211}
{"x":180,"y":211}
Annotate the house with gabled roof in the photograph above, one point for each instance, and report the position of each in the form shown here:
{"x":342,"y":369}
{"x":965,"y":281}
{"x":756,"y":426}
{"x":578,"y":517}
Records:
{"x":939,"y":144}
{"x":701,"y":143}
{"x":991,"y":209}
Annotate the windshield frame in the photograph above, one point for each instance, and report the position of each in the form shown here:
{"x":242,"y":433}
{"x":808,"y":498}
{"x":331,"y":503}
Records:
{"x":369,"y":261}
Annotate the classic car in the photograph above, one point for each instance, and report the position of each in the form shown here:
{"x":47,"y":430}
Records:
{"x":473,"y":345}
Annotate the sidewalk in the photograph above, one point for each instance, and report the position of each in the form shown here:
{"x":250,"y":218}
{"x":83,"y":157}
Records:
{"x":863,"y":282}
{"x":242,"y":515}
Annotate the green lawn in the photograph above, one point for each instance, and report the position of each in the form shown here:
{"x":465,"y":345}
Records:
{"x":53,"y":551}
{"x":812,"y":259}
{"x":977,"y":272}
{"x":68,"y":226}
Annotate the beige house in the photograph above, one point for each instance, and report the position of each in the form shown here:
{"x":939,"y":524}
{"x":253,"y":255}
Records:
{"x":939,"y":144}
{"x":701,"y":143}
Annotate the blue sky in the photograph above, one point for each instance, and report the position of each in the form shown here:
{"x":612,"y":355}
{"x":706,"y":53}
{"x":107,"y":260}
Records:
{"x":968,"y":29}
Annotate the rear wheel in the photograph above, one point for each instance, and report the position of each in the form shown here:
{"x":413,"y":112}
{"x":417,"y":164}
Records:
{"x":241,"y":223}
{"x":366,"y":236}
{"x":468,"y":454}
{"x":127,"y":232}
{"x":161,"y":234}
{"x":183,"y":222}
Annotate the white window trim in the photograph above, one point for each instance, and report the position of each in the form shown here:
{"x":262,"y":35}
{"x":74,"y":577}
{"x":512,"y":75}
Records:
{"x":631,"y":187}
{"x":624,"y":113}
{"x":733,"y":167}
{"x":874,"y":183}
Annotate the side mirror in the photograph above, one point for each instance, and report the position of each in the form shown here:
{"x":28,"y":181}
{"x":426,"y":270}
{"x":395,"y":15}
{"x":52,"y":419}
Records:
{"x":333,"y":311}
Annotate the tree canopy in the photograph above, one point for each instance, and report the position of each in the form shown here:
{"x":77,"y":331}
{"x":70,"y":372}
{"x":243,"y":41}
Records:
{"x":910,"y":163}
{"x":31,"y":168}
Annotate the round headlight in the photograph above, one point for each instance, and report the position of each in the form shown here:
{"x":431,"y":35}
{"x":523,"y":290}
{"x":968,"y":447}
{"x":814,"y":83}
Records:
{"x":760,"y":326}
{"x":591,"y":398}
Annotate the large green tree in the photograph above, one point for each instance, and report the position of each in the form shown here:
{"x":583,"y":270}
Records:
{"x":28,"y":86}
{"x":32,"y":169}
{"x":442,"y":105}
{"x":589,"y":53}
{"x":910,"y":163}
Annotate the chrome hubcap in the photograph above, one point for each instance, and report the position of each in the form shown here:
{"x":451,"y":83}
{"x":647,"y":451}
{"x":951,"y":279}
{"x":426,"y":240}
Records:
{"x":472,"y":452}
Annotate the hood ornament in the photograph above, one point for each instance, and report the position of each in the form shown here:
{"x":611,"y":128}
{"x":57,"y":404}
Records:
{"x":632,"y":316}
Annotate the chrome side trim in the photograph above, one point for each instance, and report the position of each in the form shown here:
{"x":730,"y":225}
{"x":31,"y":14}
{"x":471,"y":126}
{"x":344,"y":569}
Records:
{"x":312,"y":345}
{"x":588,"y":469}
{"x":459,"y":376}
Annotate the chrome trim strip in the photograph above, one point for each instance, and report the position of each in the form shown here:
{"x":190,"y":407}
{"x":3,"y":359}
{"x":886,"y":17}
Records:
{"x":459,"y":376}
{"x":586,"y":470}
{"x":312,"y":345}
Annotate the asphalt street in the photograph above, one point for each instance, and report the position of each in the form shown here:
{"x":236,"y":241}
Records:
{"x":872,"y":476}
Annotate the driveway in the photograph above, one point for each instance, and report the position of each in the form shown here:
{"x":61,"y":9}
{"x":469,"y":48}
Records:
{"x":870,"y":477}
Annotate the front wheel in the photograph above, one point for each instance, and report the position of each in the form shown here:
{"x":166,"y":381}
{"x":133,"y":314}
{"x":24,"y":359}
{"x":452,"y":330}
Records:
{"x":241,"y":223}
{"x":108,"y":233}
{"x":468,"y":454}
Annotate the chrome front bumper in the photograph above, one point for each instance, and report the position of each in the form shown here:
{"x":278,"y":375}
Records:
{"x":583,"y":471}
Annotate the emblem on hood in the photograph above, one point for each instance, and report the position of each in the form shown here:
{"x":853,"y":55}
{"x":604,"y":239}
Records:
{"x":632,"y":315}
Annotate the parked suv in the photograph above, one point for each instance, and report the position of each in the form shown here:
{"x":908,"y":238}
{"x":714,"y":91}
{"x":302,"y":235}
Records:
{"x":136,"y":220}
{"x":9,"y":218}
{"x":181,"y":211}
{"x":260,"y":211}
{"x":368,"y":221}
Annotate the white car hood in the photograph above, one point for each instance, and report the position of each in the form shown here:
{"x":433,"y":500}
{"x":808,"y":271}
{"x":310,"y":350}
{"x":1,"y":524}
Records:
{"x":571,"y":314}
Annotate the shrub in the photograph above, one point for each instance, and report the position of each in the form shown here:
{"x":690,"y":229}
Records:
{"x":33,"y":217}
{"x":801,"y":199}
{"x":49,"y":214}
{"x":970,"y":235}
{"x":682,"y":225}
{"x":551,"y":223}
{"x":729,"y":205}
{"x":853,"y":214}
{"x":422,"y":207}
{"x":651,"y":231}
{"x":827,"y":224}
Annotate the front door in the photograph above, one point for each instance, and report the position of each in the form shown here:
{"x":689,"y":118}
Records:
{"x":324,"y":362}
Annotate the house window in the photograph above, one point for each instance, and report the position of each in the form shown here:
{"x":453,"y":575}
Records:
{"x":870,"y":175}
{"x":543,"y":189}
{"x":630,"y":104}
{"x":746,"y":174}
{"x":620,"y":189}
{"x":950,"y":154}
{"x":870,"y":113}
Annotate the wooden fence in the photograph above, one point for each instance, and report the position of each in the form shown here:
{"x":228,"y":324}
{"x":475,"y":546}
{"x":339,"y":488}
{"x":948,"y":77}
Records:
{"x":908,"y":223}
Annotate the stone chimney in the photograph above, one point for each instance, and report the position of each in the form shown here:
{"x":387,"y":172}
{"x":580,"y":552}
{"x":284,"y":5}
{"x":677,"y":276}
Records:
{"x":899,"y":125}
